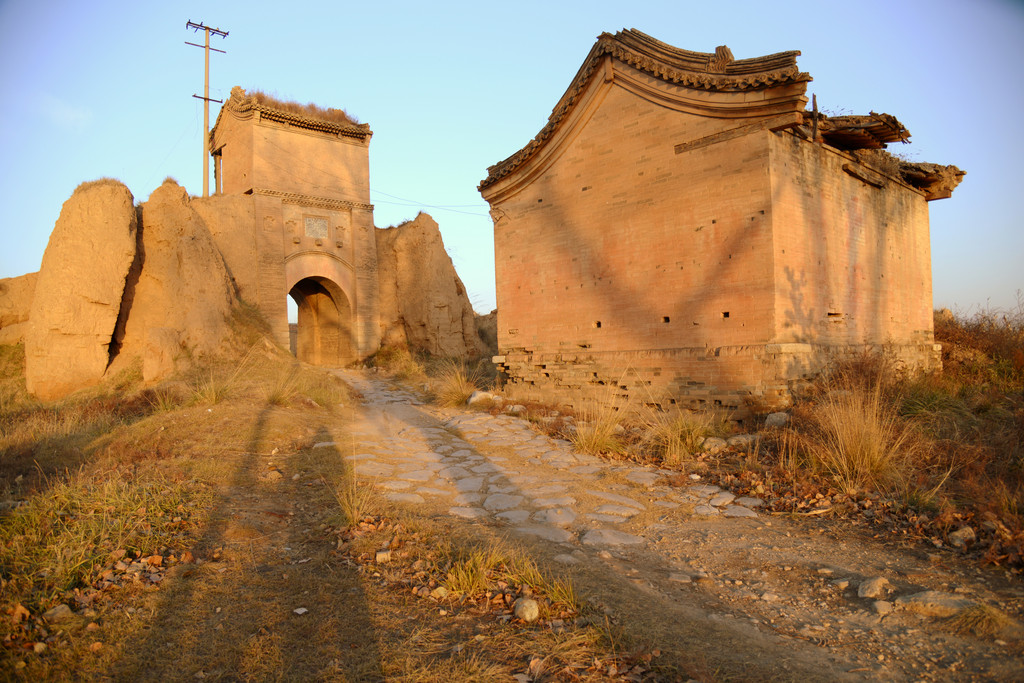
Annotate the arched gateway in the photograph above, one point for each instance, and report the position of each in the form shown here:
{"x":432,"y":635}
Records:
{"x":324,"y":335}
{"x":297,"y":180}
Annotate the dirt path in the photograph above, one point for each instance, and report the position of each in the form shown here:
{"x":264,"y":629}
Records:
{"x":691,"y":571}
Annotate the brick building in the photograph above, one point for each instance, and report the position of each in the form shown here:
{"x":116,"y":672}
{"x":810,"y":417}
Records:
{"x":684,"y":229}
{"x":294,"y":218}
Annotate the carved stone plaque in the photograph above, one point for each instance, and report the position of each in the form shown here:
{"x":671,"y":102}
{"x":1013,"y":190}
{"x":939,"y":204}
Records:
{"x":316,"y":226}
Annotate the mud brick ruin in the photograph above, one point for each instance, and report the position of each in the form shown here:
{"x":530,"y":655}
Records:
{"x":684,"y":230}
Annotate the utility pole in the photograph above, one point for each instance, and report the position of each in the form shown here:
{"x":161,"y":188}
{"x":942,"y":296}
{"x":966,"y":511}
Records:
{"x":206,"y":96}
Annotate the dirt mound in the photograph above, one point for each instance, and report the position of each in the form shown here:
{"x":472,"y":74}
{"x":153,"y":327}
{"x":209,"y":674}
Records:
{"x":423,"y":302}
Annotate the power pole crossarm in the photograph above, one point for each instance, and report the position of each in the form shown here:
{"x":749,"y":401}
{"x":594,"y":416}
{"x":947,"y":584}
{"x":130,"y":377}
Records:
{"x":206,"y":94}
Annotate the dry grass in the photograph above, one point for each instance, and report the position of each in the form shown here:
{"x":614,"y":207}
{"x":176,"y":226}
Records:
{"x":980,"y":621}
{"x":855,"y":437}
{"x":599,"y":427}
{"x":399,"y":362}
{"x":673,"y":437}
{"x":311,"y":110}
{"x":56,"y":541}
{"x":455,"y":382}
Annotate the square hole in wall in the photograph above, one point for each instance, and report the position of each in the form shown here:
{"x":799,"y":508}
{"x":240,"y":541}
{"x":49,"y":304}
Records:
{"x":725,"y":314}
{"x":597,"y":323}
{"x":665,"y":319}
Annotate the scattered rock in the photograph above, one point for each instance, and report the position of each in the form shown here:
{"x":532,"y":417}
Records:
{"x":743,"y":441}
{"x":468,"y":513}
{"x":934,"y":603}
{"x":502,"y":501}
{"x":749,"y":502}
{"x":610,"y":537}
{"x":439,"y":593}
{"x":58,"y":614}
{"x":548,"y":533}
{"x":779,"y":419}
{"x":721,"y":499}
{"x":873,"y":588}
{"x":482,"y":398}
{"x":556,"y":516}
{"x":705,"y":510}
{"x":514,"y":516}
{"x":962,"y":537}
{"x":881,"y":607}
{"x":738,"y":511}
{"x":526,"y":609}
{"x":300,"y":611}
{"x":713,"y":444}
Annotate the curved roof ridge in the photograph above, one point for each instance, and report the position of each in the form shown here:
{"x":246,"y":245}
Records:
{"x":717,"y":71}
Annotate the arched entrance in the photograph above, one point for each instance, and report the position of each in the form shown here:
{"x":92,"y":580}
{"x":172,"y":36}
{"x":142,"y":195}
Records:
{"x":324,"y":335}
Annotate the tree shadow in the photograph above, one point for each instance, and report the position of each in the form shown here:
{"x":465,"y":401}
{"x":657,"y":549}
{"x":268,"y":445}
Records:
{"x":270,"y":601}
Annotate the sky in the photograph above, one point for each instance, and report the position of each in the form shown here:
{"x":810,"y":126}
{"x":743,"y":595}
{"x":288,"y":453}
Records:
{"x":104,"y":89}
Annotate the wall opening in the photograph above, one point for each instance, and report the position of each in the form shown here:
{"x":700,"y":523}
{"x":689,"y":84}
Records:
{"x":322,"y":334}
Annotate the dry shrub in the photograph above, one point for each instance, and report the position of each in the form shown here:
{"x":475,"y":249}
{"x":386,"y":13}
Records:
{"x":674,"y":436}
{"x":980,"y":621}
{"x":599,"y":427}
{"x":857,"y":438}
{"x":455,"y":383}
{"x":311,"y":110}
{"x":399,"y":362}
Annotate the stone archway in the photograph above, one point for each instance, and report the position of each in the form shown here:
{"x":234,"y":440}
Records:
{"x":324,"y":335}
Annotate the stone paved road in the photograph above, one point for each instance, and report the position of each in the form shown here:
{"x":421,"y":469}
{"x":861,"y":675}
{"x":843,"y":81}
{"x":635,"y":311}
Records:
{"x":497,"y":468}
{"x":694,"y":567}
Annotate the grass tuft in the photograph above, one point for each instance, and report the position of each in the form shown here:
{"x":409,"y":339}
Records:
{"x":981,"y":621}
{"x":598,"y":428}
{"x":858,"y":439}
{"x":455,"y":383}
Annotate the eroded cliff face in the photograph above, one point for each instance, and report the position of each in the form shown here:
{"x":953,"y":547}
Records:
{"x":423,"y":303}
{"x":113,"y":290}
{"x":78,"y":292}
{"x":182,"y":296}
{"x":15,"y":303}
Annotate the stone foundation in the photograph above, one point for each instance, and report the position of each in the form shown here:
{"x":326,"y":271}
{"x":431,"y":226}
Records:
{"x":731,"y":378}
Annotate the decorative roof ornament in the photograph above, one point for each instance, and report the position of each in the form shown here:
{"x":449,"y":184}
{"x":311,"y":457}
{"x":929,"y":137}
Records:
{"x":723,"y":57}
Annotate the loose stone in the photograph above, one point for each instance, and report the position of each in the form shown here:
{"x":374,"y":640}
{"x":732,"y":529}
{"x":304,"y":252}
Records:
{"x":872,"y":588}
{"x":467,"y":513}
{"x":514,"y":516}
{"x":722,"y":499}
{"x":548,"y":533}
{"x":738,"y":511}
{"x":526,"y":609}
{"x":502,"y":501}
{"x":610,"y":537}
{"x":556,"y":516}
{"x":619,"y":510}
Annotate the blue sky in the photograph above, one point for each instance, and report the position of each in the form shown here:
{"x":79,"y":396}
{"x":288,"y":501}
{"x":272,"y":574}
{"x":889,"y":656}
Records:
{"x":105,"y":89}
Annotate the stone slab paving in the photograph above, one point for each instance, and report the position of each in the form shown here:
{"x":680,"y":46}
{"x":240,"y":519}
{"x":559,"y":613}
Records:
{"x":482,"y":467}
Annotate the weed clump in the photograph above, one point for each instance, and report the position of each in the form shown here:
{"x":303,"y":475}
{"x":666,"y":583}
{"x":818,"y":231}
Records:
{"x":455,"y":382}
